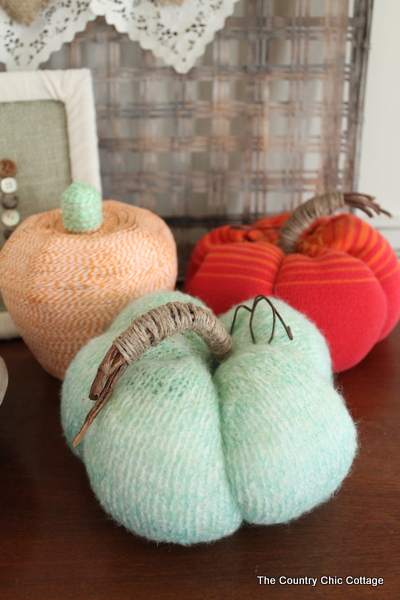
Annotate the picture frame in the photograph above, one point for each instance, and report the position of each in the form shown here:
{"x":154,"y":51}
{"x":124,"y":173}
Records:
{"x":48,"y":128}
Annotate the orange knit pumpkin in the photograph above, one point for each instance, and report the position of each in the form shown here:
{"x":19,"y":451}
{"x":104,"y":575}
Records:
{"x":65,"y":287}
{"x":337,"y":270}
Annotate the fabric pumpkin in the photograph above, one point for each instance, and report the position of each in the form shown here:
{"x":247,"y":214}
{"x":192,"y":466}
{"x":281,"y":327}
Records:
{"x":339,"y":271}
{"x":66,"y":273}
{"x":185,"y":450}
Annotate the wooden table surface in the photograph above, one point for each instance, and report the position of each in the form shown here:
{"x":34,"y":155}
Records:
{"x":56,"y":542}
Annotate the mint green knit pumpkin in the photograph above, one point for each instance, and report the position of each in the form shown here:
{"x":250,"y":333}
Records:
{"x":185,"y":452}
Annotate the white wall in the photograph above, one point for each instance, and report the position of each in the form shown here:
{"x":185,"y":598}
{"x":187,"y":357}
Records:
{"x":380,"y":150}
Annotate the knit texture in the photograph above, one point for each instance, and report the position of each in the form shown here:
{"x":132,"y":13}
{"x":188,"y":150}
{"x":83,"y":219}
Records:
{"x":307,"y":340}
{"x":344,"y":276}
{"x":184,"y":452}
{"x":81,"y":207}
{"x":62,"y":288}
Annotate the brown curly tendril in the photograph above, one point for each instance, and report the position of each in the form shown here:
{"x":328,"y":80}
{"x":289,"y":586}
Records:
{"x":252,"y":310}
{"x":324,"y":205}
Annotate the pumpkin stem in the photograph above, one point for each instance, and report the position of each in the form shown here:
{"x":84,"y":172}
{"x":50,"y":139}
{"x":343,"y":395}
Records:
{"x":145,"y":332}
{"x":81,"y":208}
{"x":322,"y":206}
{"x":272,"y":230}
{"x":252,"y":310}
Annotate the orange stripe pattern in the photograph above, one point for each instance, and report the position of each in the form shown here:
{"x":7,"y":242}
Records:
{"x":358,"y":239}
{"x":345,"y":277}
{"x":62,"y":289}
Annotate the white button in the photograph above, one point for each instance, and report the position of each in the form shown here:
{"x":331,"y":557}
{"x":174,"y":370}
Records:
{"x":10,"y":218}
{"x":8,"y":185}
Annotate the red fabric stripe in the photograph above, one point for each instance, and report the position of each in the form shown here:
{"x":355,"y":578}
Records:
{"x":345,"y":277}
{"x":298,"y":269}
{"x":350,"y":313}
{"x":233,"y":273}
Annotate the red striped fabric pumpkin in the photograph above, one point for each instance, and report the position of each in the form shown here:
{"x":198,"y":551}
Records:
{"x":344,"y":276}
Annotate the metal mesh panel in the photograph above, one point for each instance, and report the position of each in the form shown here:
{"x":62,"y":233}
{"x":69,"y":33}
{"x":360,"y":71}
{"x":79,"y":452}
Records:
{"x":268,"y":116}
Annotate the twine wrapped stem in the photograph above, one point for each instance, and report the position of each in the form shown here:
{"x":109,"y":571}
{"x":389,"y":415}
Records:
{"x":322,"y":206}
{"x":148,"y":331}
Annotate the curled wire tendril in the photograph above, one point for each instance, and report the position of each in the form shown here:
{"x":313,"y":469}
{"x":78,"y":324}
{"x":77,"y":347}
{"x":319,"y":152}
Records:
{"x":252,"y":310}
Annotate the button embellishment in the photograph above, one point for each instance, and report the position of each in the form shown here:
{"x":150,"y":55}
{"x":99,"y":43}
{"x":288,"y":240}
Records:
{"x":10,"y":217}
{"x":8,"y":185}
{"x":8,"y":168}
{"x":9,"y":201}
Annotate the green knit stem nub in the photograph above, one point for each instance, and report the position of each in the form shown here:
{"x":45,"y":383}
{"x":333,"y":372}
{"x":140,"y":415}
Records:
{"x":81,"y":207}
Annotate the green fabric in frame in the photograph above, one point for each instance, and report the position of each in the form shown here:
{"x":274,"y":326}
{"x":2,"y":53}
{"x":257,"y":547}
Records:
{"x":34,"y":136}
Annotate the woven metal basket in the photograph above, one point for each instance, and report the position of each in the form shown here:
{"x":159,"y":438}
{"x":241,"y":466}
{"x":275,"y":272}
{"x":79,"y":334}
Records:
{"x":269,"y":116}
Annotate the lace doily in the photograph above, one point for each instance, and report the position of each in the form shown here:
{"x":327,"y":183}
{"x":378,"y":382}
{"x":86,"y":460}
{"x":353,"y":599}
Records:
{"x":24,"y":48}
{"x":176,"y":33}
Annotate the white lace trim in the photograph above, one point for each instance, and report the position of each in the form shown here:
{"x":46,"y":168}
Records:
{"x":24,"y":48}
{"x":177,"y":34}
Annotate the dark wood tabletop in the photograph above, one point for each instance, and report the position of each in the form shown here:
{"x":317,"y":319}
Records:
{"x":56,"y":542}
